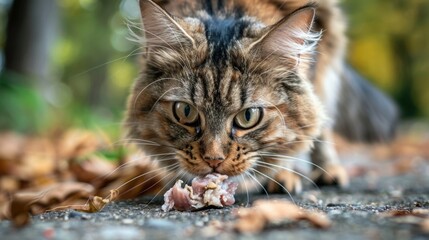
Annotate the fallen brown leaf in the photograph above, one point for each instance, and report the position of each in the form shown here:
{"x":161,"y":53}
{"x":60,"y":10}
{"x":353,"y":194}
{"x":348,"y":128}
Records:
{"x":4,"y":206}
{"x":37,"y":174}
{"x":266,"y":212}
{"x":11,"y":147}
{"x":75,"y":143}
{"x":417,"y":212}
{"x":94,"y":204}
{"x":37,"y":159}
{"x":9,"y":184}
{"x":135,"y":177}
{"x":396,"y":213}
{"x":26,"y":158}
{"x":424,"y":212}
{"x":97,"y":203}
{"x":35,"y":201}
{"x":418,"y":216}
{"x":91,"y":169}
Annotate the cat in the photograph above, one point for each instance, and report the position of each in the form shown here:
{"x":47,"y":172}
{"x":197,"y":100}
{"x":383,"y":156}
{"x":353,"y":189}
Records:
{"x":246,"y":87}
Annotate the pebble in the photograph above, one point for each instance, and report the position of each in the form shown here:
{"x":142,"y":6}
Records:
{"x":120,"y":232}
{"x":127,"y":221}
{"x":330,"y":205}
{"x":205,"y":219}
{"x":199,"y":223}
{"x":161,"y":223}
{"x":335,"y":212}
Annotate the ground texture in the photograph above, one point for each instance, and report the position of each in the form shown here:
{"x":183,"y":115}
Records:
{"x":369,"y":209}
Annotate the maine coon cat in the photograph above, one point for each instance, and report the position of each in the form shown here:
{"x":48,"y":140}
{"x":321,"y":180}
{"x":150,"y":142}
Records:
{"x":243,"y":87}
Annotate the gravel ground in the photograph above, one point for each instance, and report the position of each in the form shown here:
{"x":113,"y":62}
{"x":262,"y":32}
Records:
{"x":356,"y":213}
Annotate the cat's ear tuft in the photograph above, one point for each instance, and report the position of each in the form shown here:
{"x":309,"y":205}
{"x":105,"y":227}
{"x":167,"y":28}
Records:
{"x":292,"y":37}
{"x":160,"y":28}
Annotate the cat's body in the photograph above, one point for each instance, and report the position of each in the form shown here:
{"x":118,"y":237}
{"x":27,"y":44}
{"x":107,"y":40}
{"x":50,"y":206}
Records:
{"x":243,"y":86}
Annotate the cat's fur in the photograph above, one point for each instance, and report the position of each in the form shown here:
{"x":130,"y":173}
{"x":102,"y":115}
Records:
{"x":284,"y":57}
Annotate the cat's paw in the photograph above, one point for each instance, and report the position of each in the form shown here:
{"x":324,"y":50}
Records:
{"x":285,"y":181}
{"x":332,"y":174}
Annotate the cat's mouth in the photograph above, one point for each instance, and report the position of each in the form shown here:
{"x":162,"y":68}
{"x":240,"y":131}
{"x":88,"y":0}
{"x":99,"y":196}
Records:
{"x":230,"y":168}
{"x":235,"y":162}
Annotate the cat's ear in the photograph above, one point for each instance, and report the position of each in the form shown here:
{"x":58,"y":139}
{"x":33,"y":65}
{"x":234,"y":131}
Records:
{"x":160,"y":28}
{"x":292,"y":37}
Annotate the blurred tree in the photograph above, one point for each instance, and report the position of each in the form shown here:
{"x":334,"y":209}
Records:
{"x":389,"y":46}
{"x":26,"y":79}
{"x":74,"y":55}
{"x":31,"y":31}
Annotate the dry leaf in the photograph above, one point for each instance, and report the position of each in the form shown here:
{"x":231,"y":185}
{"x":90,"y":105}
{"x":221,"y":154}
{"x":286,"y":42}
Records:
{"x":4,"y":206}
{"x":418,"y":216}
{"x":266,"y":212}
{"x":9,"y":184}
{"x":37,"y":159}
{"x":33,"y":170}
{"x":416,"y":212}
{"x":137,"y":176}
{"x":92,"y":169}
{"x":36,"y":201}
{"x":75,"y":143}
{"x":396,"y":213}
{"x":95,"y":204}
{"x":25,"y":158}
{"x":11,"y":147}
{"x":424,"y":212}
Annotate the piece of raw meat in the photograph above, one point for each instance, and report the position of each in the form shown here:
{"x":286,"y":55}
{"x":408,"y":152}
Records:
{"x":212,"y":190}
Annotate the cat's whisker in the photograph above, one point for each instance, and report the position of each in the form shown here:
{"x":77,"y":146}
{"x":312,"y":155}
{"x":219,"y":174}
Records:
{"x":133,"y":53}
{"x":156,"y":102}
{"x":134,"y":37}
{"x":134,"y":140}
{"x":97,"y":67}
{"x":275,"y":181}
{"x":269,"y":165}
{"x":257,"y":181}
{"x":149,"y":187}
{"x":290,"y":158}
{"x":178,"y":175}
{"x":150,"y":172}
{"x":152,"y":44}
{"x":143,"y":40}
{"x":247,"y":189}
{"x":169,"y":169}
{"x":185,"y":61}
{"x":313,"y":139}
{"x":135,"y":161}
{"x":309,"y":162}
{"x":143,"y":142}
{"x":150,"y":84}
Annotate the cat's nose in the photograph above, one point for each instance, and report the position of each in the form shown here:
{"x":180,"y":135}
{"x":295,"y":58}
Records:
{"x":212,"y":152}
{"x":213,"y":161}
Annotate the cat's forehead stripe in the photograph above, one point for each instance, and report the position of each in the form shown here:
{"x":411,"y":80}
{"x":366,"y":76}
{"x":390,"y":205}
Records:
{"x":221,"y":34}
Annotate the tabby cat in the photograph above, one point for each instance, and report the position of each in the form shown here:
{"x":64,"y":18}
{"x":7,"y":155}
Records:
{"x":248,"y":87}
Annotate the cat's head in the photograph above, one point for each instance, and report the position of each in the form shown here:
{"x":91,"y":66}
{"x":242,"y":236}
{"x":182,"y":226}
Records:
{"x":216,"y":92}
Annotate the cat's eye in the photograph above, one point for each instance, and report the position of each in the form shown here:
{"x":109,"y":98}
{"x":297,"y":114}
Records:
{"x":248,"y":118}
{"x":185,"y":113}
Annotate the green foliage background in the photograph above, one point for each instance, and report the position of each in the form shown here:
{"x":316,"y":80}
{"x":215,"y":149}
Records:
{"x":95,"y":65}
